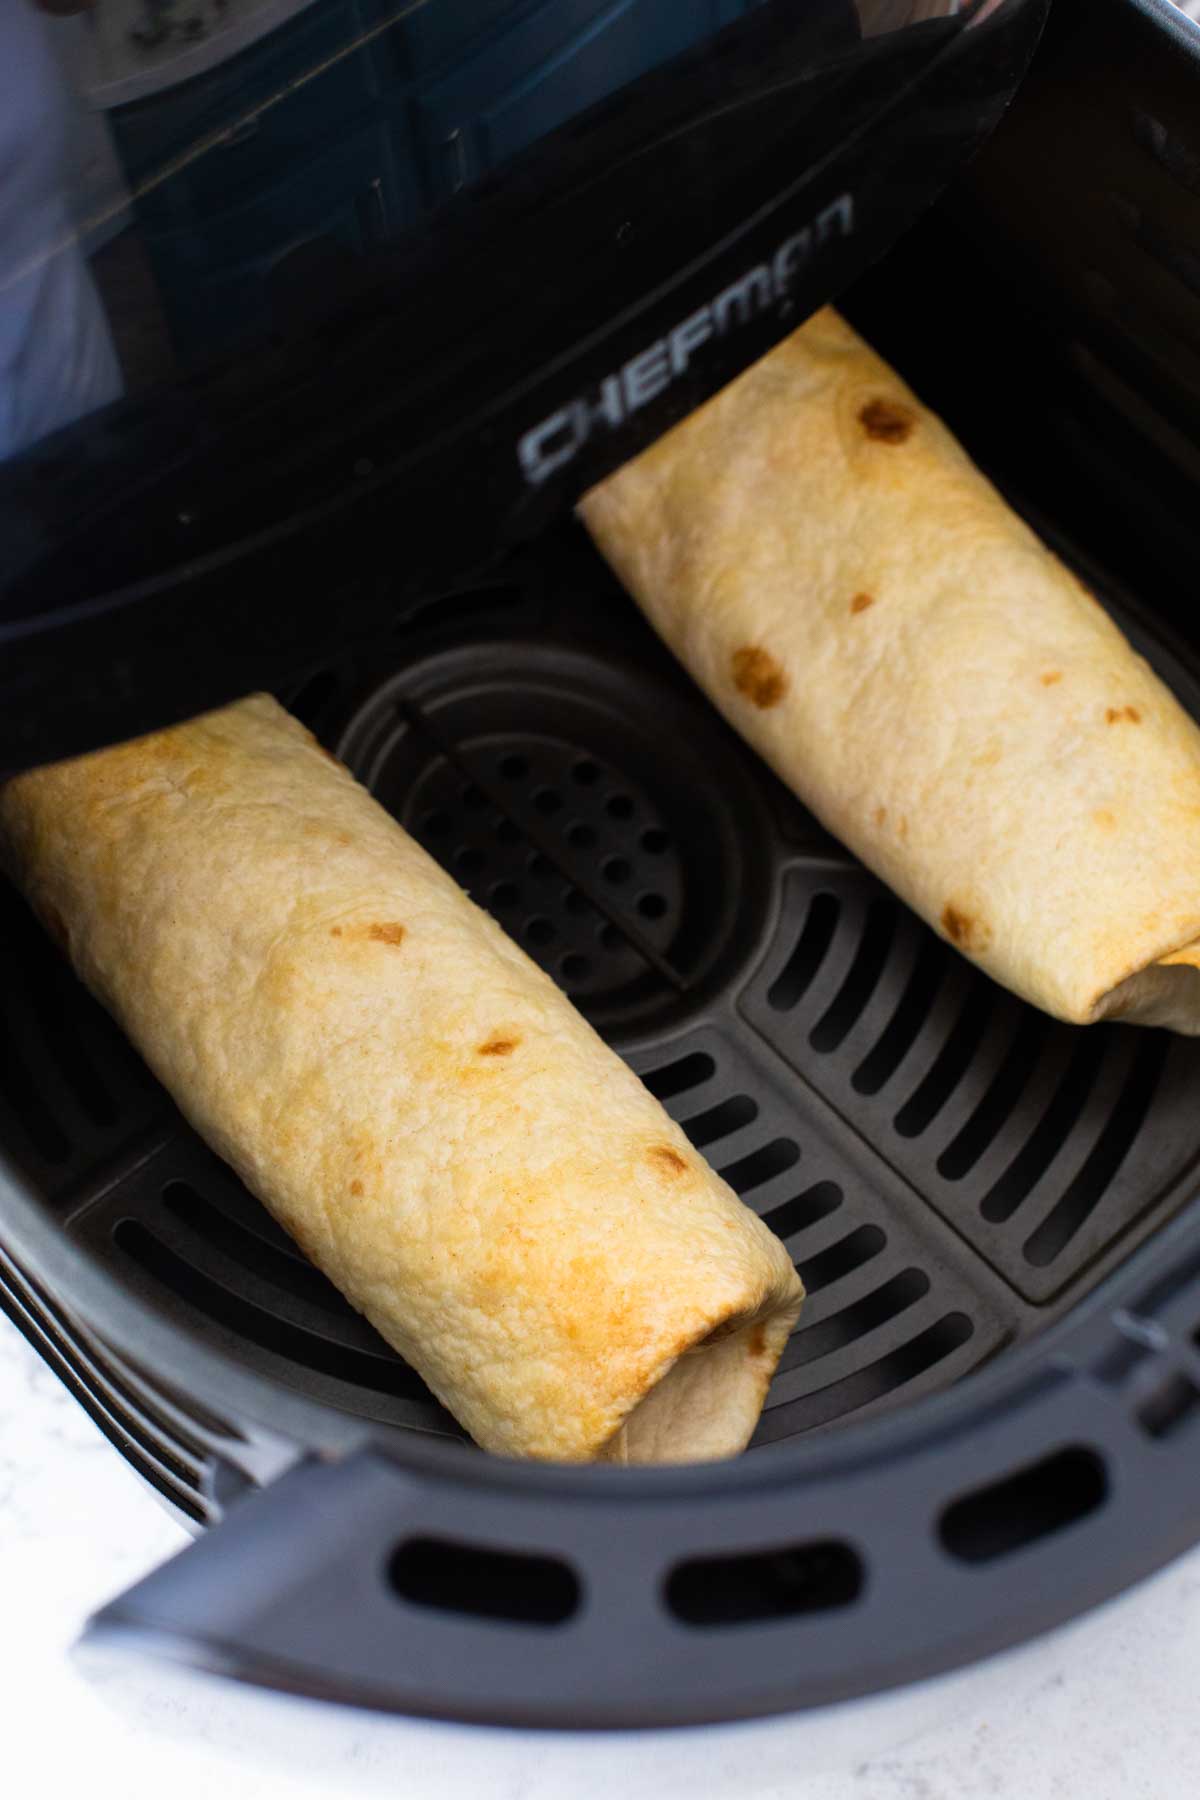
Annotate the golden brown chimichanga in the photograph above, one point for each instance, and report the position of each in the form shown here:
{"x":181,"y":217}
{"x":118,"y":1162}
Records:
{"x":928,"y":677}
{"x":413,"y":1099}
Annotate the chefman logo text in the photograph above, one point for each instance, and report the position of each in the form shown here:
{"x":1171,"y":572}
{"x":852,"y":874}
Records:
{"x":547,"y":447}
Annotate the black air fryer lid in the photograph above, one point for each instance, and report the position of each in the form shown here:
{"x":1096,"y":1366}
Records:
{"x":404,"y":416}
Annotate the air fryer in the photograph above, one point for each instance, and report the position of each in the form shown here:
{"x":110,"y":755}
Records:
{"x":358,"y":491}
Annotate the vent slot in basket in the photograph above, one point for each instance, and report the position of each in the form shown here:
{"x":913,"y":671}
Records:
{"x":770,"y":1584}
{"x":485,"y":1584}
{"x":1013,"y":1513}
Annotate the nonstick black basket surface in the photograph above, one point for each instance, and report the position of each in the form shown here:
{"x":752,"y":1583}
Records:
{"x":951,"y":1170}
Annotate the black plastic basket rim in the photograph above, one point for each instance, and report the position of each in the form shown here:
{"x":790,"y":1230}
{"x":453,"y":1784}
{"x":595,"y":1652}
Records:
{"x":143,"y":1332}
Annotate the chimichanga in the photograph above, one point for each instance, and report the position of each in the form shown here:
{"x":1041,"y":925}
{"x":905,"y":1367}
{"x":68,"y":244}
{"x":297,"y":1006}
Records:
{"x":927,"y":676}
{"x":416,"y":1103}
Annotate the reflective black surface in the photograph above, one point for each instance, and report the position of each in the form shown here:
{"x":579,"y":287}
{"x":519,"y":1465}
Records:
{"x":404,"y":409}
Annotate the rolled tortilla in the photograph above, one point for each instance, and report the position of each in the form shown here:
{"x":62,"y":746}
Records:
{"x":941,"y":691}
{"x":416,"y":1103}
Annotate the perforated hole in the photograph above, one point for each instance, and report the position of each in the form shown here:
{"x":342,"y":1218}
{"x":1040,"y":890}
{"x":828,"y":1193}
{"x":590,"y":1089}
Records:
{"x":953,"y":1060}
{"x":679,"y":1077}
{"x":446,"y":1576}
{"x":811,"y":949}
{"x":880,"y":1307}
{"x":1018,"y":1510}
{"x":761,"y":1166}
{"x":1035,"y":1155}
{"x":559,"y":817}
{"x":872,"y":1382}
{"x":611,"y":897}
{"x":1113,"y":1145}
{"x":1003,"y":1092}
{"x":912,"y":1010}
{"x":805,"y":1210}
{"x":842,"y":1259}
{"x":861,"y":980}
{"x":721,"y":1120}
{"x":716,"y":1591}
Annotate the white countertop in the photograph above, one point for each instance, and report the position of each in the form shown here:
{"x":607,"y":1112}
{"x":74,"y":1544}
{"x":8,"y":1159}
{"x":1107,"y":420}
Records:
{"x":1104,"y":1710}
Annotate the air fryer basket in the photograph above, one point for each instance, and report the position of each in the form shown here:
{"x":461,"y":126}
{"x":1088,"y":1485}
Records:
{"x":951,"y":1171}
{"x":961,"y":1181}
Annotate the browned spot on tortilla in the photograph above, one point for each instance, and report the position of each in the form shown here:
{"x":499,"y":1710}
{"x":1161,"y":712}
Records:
{"x":499,"y":1046}
{"x":386,"y":934}
{"x":880,"y":815}
{"x":861,"y":602}
{"x":335,"y":760}
{"x":758,"y":1341}
{"x":668,"y":1159}
{"x":1115,"y":714}
{"x":1105,"y":819}
{"x":757,"y":675}
{"x":902,"y":829}
{"x":356,"y":1187}
{"x":887,"y":421}
{"x":969,"y":933}
{"x":335,"y":931}
{"x":1051,"y":676}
